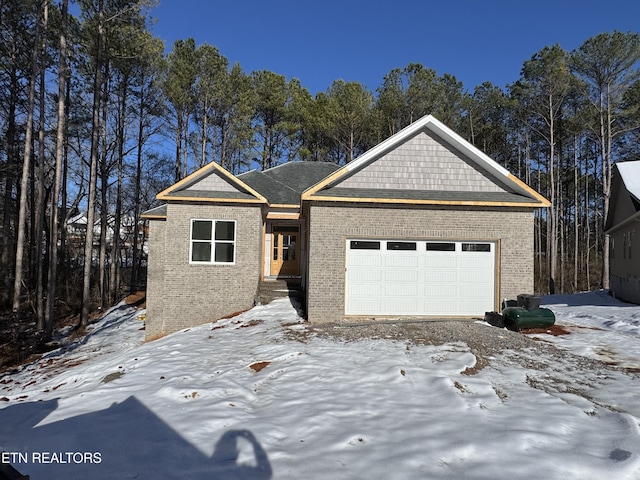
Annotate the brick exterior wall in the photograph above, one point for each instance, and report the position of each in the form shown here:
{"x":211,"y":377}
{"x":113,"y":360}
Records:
{"x":155,"y":278}
{"x":181,"y":294}
{"x":331,"y":225}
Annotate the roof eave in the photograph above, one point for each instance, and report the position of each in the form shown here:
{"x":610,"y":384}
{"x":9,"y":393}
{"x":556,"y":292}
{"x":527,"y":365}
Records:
{"x":166,"y":194}
{"x":633,"y":218}
{"x":407,"y":201}
{"x":168,"y":197}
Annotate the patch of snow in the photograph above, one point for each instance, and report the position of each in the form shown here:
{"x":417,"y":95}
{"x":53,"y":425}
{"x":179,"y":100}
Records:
{"x":189,"y":405}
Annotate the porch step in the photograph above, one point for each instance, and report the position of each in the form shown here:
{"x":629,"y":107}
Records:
{"x":270,"y":289}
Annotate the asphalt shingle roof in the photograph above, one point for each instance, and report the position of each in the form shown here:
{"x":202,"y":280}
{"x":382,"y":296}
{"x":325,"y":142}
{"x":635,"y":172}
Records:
{"x":283,"y":185}
{"x":427,"y":195}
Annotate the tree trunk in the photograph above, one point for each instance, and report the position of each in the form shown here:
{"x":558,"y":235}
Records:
{"x":115,"y":245}
{"x":26,"y":166}
{"x":40,"y":187}
{"x":135,"y":262}
{"x":576,"y":215}
{"x":606,"y":189}
{"x":552,"y":241}
{"x":91,"y":203}
{"x":7,"y":262}
{"x":203,"y":145}
{"x":104,"y":199}
{"x":53,"y":236}
{"x":178,"y":167}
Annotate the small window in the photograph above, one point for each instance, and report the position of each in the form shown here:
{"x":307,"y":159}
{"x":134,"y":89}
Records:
{"x":213,"y":241}
{"x":612,"y":249}
{"x":284,"y":228}
{"x":476,"y":247}
{"x":441,"y":247}
{"x":401,"y":245}
{"x":364,"y":245}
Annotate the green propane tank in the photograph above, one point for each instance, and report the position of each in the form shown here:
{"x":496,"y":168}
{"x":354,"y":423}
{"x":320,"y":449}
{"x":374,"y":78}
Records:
{"x":518,"y":318}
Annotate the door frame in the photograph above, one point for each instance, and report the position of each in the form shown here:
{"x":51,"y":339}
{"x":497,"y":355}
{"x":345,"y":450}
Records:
{"x":278,"y":231}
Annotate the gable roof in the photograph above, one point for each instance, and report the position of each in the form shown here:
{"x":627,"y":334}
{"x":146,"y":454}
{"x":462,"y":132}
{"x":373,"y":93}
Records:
{"x":282,"y":185}
{"x":211,"y":183}
{"x":624,"y":204}
{"x":156,"y":213}
{"x":423,"y":141}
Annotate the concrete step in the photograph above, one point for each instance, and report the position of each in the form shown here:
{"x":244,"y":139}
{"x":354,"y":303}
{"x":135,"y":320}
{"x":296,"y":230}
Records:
{"x":270,"y":289}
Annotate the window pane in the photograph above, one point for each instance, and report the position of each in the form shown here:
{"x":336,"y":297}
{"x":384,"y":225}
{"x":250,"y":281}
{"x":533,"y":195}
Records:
{"x":364,"y":245}
{"x":224,"y":252}
{"x":201,"y":252}
{"x":280,"y":228}
{"x":441,"y":247}
{"x":401,"y":245}
{"x":201,"y":230}
{"x":225,"y":230}
{"x":476,"y":247}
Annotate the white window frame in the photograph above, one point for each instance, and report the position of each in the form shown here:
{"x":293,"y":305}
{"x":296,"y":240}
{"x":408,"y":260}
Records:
{"x":212,"y":241}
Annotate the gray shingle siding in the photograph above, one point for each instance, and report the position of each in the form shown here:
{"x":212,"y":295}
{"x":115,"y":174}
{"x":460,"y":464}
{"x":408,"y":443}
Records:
{"x":422,"y":163}
{"x":213,"y":183}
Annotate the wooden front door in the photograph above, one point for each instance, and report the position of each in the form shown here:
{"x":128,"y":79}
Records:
{"x":285,"y":251}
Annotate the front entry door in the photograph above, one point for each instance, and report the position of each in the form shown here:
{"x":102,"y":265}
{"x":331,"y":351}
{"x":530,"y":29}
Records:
{"x":285,"y":251}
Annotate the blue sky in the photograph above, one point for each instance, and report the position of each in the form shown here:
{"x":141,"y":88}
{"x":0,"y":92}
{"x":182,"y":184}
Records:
{"x":322,"y":41}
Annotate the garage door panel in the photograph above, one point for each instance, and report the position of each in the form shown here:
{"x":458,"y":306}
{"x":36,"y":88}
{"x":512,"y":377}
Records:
{"x":396,"y":259}
{"x":435,"y":277}
{"x":401,"y":290}
{"x":397,"y":275}
{"x":405,"y":307}
{"x":474,"y":277}
{"x":442,"y":308}
{"x":367,"y":289}
{"x":366,"y":260}
{"x":365,"y":275}
{"x":442,"y":291}
{"x":464,"y":292}
{"x":441,"y":261}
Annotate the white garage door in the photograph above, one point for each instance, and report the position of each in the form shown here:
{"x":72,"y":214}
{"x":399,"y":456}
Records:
{"x":392,"y":277}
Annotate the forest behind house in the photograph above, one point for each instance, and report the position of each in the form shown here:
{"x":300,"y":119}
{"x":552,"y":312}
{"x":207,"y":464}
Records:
{"x":95,"y":119}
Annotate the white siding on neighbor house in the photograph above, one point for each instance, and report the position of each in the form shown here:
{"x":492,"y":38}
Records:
{"x":421,"y":163}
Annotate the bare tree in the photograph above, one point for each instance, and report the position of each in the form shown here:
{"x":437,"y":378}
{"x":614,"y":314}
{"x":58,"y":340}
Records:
{"x":24,"y":182}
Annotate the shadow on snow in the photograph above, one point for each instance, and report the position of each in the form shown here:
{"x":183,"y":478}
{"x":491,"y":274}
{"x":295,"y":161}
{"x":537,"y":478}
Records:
{"x":131,"y":442}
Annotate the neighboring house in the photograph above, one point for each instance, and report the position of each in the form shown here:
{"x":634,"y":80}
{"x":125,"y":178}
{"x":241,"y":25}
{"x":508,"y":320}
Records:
{"x":422,"y":225}
{"x":76,"y":227}
{"x":622,"y":226}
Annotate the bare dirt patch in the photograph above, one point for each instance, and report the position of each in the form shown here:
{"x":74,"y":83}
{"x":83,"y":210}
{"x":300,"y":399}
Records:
{"x":555,"y":330}
{"x":256,"y":367}
{"x":137,"y":299}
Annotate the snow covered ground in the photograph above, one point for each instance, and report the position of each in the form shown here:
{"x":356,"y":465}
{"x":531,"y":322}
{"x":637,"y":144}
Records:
{"x":259,"y":396}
